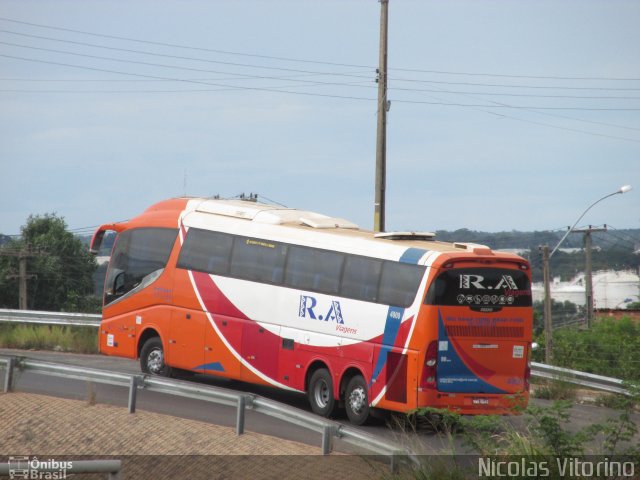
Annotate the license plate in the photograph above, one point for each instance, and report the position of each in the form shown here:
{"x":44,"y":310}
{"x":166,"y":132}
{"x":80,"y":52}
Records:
{"x":480,"y":401}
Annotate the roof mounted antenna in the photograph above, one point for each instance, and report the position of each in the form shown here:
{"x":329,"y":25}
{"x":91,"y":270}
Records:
{"x":252,"y":197}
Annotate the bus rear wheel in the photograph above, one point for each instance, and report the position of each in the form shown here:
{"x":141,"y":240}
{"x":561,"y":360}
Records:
{"x":356,"y":400}
{"x":152,"y":358}
{"x":321,"y":393}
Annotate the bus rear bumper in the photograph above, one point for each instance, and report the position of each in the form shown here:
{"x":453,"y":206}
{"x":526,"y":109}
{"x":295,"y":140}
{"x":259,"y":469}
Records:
{"x":475,"y":403}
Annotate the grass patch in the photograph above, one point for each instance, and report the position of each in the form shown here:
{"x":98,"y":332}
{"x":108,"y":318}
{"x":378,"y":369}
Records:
{"x":49,"y":337}
{"x":554,"y":390}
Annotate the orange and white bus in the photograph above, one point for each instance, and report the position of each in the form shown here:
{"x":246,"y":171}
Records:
{"x":304,"y":302}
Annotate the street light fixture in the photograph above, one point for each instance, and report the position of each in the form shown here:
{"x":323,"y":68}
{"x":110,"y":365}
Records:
{"x":622,"y":189}
{"x":548,"y":324}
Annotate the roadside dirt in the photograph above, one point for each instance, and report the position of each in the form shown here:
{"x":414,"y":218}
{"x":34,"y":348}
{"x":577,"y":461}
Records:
{"x":160,"y":446}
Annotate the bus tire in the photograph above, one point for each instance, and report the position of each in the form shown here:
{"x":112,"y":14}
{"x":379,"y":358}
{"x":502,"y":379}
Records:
{"x":321,"y":393}
{"x":152,"y":358}
{"x":356,"y":400}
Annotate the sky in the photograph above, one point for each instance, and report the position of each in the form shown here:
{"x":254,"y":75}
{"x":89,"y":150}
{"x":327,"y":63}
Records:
{"x":504,"y":115}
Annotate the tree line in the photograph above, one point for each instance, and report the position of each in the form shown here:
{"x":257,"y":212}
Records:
{"x":59,"y":272}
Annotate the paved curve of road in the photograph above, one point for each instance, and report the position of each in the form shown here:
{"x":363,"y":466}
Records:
{"x":428,"y":443}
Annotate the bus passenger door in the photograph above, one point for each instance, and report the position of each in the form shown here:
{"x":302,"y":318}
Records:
{"x":186,"y":339}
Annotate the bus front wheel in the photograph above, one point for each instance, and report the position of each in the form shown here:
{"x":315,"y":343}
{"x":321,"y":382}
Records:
{"x":321,"y":393}
{"x":152,"y":358}
{"x":356,"y":400}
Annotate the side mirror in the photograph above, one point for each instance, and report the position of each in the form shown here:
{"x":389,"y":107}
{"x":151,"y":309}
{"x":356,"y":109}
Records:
{"x":118,"y":284}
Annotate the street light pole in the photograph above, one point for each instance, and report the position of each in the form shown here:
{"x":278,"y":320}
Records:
{"x":548,"y":324}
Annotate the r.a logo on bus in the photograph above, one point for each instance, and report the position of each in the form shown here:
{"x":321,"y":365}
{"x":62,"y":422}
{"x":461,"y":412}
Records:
{"x":309,"y":306}
{"x":475,"y":281}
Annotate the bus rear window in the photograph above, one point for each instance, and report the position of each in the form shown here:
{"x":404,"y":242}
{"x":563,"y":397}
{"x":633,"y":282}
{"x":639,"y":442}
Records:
{"x":480,"y":287}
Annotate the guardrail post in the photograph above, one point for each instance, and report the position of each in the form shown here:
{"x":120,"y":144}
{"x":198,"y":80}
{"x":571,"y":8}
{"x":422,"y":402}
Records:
{"x":394,"y":461}
{"x":240,"y":415}
{"x":115,"y":475}
{"x":133,"y":393}
{"x":8,"y":375}
{"x":327,"y":439}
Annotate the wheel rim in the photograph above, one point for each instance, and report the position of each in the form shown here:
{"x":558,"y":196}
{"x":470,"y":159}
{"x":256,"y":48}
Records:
{"x":357,"y":400}
{"x":321,"y":393}
{"x":155,"y":361}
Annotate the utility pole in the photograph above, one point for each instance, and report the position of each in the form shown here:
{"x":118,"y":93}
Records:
{"x":381,"y":137}
{"x":588,"y":269}
{"x":22,"y":292}
{"x":548,"y":322}
{"x":23,"y":254}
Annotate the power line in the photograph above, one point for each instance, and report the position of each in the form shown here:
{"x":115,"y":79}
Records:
{"x":176,"y":67}
{"x":174,"y":45}
{"x":284,"y":90}
{"x":276,"y":90}
{"x":231,"y":87}
{"x":631,"y":238}
{"x":305,"y":72}
{"x":205,"y":90}
{"x":317,"y":62}
{"x":179,"y":57}
{"x":547,"y":87}
{"x":506,"y":75}
{"x":556,"y":115}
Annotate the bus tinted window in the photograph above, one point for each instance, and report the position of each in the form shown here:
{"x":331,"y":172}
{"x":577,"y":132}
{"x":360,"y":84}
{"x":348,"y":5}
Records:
{"x":258,"y":260}
{"x":360,"y":278}
{"x":399,"y":283}
{"x":206,"y":251}
{"x":312,"y":269}
{"x":138,"y":258}
{"x":481,"y":287}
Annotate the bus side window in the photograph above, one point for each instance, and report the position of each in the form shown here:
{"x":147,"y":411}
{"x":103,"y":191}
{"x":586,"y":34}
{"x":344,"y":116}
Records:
{"x":205,"y":251}
{"x":258,"y":260}
{"x":399,"y":283}
{"x":313,"y":269}
{"x":360,"y":278}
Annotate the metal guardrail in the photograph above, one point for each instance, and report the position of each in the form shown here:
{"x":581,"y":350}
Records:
{"x":50,"y":318}
{"x":242,"y":401}
{"x":540,"y":370}
{"x":111,"y":467}
{"x":583,"y":379}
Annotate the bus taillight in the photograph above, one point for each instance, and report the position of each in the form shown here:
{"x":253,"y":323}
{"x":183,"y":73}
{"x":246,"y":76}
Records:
{"x":527,"y":370}
{"x":428,"y":379}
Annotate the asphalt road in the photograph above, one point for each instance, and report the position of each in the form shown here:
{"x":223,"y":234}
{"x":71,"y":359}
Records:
{"x":419,"y":442}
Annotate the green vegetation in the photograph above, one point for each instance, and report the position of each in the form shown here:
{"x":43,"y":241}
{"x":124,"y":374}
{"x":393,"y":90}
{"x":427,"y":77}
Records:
{"x":554,"y":390}
{"x":59,"y":265}
{"x":44,"y":337}
{"x":546,"y":435}
{"x":611,"y":347}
